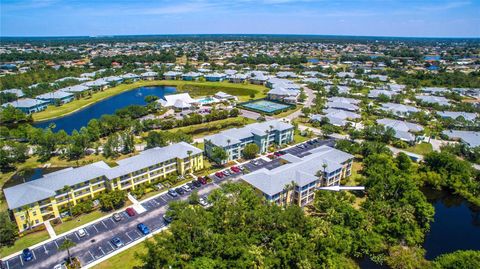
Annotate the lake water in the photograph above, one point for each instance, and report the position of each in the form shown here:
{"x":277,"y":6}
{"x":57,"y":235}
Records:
{"x":456,"y":226}
{"x":108,"y":106}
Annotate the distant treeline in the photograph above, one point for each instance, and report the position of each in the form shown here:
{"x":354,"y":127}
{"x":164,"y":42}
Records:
{"x":29,"y":56}
{"x":164,"y":57}
{"x":234,"y":37}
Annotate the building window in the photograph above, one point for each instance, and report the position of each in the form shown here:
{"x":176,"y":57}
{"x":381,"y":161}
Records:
{"x":37,"y":221}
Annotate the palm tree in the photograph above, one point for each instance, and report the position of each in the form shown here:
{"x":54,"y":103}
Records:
{"x":324,"y":166}
{"x":28,"y":220}
{"x":67,"y":189}
{"x":66,"y":245}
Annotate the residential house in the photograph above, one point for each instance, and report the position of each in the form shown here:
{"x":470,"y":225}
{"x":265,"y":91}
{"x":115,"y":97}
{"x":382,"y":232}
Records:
{"x":469,"y":138}
{"x":56,"y":97}
{"x":399,"y":110}
{"x":28,"y":105}
{"x":403,"y":130}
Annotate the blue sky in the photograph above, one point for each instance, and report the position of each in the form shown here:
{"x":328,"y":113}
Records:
{"x":425,"y":18}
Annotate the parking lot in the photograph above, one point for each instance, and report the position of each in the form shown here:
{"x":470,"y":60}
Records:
{"x":95,"y":244}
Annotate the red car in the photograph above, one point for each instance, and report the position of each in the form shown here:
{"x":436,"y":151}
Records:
{"x":219,"y":174}
{"x":235,"y":169}
{"x":202,"y":180}
{"x":130,"y":211}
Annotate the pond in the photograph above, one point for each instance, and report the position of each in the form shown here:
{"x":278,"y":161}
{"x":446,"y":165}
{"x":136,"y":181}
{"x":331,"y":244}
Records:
{"x":108,"y":106}
{"x":456,"y":226}
{"x":29,"y":175}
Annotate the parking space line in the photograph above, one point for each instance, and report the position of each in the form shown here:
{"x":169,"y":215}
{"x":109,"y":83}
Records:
{"x":34,"y":257}
{"x":102,"y":250}
{"x":95,"y":227}
{"x":93,"y":258}
{"x":128,"y":236}
{"x":77,"y":236}
{"x":104,"y":225}
{"x":8,"y":266}
{"x":110,"y":244}
{"x":45,"y":248}
{"x":55,"y":241}
{"x":21,"y":260}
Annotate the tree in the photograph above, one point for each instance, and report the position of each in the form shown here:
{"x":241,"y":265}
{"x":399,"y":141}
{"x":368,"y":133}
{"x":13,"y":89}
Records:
{"x":67,"y":190}
{"x":219,"y":155}
{"x":112,"y":199}
{"x":67,"y":244}
{"x":458,"y":259}
{"x":151,"y":98}
{"x":8,"y":230}
{"x":250,"y":151}
{"x":110,"y":149}
{"x":156,"y":139}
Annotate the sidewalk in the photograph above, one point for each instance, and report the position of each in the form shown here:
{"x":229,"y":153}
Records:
{"x":50,"y":230}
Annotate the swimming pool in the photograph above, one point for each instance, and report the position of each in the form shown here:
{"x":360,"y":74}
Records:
{"x":207,"y":100}
{"x":265,"y":106}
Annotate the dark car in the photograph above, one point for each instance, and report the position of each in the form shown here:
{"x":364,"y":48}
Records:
{"x":167,"y":219}
{"x":143,"y":228}
{"x":130,"y":211}
{"x":197,"y":183}
{"x":27,"y":255}
{"x":117,"y":217}
{"x":172,"y":193}
{"x":117,"y":242}
{"x":2,"y":265}
{"x":180,"y":191}
{"x":191,"y":185}
{"x":282,"y":152}
{"x":202,"y":180}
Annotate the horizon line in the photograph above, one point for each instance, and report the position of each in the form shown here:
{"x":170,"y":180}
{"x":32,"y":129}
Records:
{"x":232,"y":34}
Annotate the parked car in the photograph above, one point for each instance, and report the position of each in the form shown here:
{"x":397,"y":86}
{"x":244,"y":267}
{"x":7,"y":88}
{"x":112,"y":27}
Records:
{"x":235,"y":169}
{"x":282,"y":152}
{"x":226,"y":173}
{"x":82,"y":232}
{"x":191,"y":185}
{"x":27,"y":255}
{"x":130,"y":211}
{"x":202,"y":180}
{"x":117,"y":217}
{"x":202,"y":201}
{"x":197,"y":183}
{"x":172,"y":193}
{"x":166,"y":219}
{"x":62,"y":265}
{"x":2,"y":265}
{"x":180,"y":191}
{"x":219,"y":174}
{"x":143,"y":228}
{"x":117,"y":242}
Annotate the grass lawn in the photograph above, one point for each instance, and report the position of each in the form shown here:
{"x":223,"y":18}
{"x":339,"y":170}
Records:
{"x":243,"y":91}
{"x":208,"y":128}
{"x":299,"y":138}
{"x":422,"y":148}
{"x":24,"y":242}
{"x":125,"y":259}
{"x":78,"y":221}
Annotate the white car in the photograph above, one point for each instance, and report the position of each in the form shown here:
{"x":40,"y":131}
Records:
{"x":60,"y":266}
{"x":202,"y":202}
{"x":186,"y":188}
{"x":82,"y":232}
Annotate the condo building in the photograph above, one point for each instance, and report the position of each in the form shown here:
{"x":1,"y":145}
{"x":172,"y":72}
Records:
{"x":296,"y":181}
{"x":37,"y":201}
{"x":264,"y":134}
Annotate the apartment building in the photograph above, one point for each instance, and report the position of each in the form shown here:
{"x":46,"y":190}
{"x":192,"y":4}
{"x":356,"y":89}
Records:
{"x":233,"y":141}
{"x":296,"y":181}
{"x":43,"y":199}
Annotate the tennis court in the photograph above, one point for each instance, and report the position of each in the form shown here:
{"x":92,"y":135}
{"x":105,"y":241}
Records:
{"x":265,"y":106}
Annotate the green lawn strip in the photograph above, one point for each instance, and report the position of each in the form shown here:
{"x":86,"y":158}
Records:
{"x":208,"y":128}
{"x":421,"y":148}
{"x":125,"y":259}
{"x":25,"y":242}
{"x":298,"y":138}
{"x":243,"y":91}
{"x":78,"y":221}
